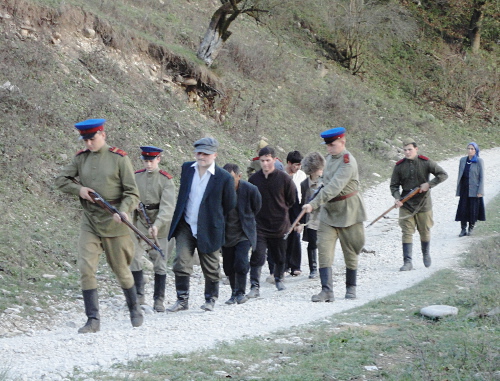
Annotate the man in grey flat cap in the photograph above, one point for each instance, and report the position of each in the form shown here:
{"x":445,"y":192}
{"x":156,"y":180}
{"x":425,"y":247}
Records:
{"x":206,"y":195}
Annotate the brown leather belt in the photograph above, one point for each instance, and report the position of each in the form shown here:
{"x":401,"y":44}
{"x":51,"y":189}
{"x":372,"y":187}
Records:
{"x":340,"y":198}
{"x":114,"y":202}
{"x":151,"y":206}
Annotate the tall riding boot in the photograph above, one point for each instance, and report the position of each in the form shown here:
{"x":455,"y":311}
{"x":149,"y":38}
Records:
{"x":471,"y":228}
{"x":326,"y":294}
{"x":182,"y":289}
{"x":139,"y":286}
{"x":136,"y":316}
{"x":312,"y":255}
{"x":211,"y":294}
{"x":159,"y":292}
{"x":255,"y":272}
{"x":350,"y":283}
{"x":463,"y":226}
{"x":232,"y":299}
{"x":407,"y":252}
{"x":425,"y":253}
{"x":91,"y":301}
{"x":279,"y":276}
{"x":240,"y":284}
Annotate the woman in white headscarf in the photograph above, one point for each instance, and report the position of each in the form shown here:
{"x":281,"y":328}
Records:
{"x":470,"y":189}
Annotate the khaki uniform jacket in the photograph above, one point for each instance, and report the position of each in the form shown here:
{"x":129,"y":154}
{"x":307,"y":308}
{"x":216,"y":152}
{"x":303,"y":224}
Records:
{"x":340,"y":178}
{"x":109,"y":172}
{"x":409,"y":174}
{"x":155,"y":187}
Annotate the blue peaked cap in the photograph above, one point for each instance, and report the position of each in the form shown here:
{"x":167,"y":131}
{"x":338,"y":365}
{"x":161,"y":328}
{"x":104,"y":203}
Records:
{"x":150,"y":152}
{"x":89,"y":127}
{"x":332,"y":134}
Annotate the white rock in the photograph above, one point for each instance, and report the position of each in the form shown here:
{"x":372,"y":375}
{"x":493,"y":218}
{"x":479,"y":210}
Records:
{"x":438,"y":311}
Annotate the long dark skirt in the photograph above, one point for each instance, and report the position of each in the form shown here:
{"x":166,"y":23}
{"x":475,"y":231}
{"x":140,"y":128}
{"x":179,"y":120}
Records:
{"x":470,"y":209}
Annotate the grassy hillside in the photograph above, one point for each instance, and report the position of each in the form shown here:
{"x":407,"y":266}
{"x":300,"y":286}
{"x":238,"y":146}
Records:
{"x":283,"y":79}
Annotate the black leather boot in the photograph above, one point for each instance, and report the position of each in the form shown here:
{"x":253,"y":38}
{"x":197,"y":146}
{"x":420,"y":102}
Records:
{"x":240,"y":284}
{"x":159,"y":292}
{"x":136,"y":316}
{"x":182,"y":289}
{"x":425,"y":253}
{"x":211,"y":294}
{"x":407,"y":253}
{"x":326,"y":294}
{"x":91,"y":301}
{"x":350,"y":282}
{"x":139,"y":286}
{"x":255,"y":272}
{"x":312,"y":255}
{"x":463,"y":232}
{"x":471,"y":228}
{"x":279,"y":275}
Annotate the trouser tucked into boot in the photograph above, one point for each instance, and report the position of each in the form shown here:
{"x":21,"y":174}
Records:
{"x":350,"y":282}
{"x":159,"y":292}
{"x":136,"y":316}
{"x":326,"y":294}
{"x":255,"y":272}
{"x":240,"y":284}
{"x":407,"y":254}
{"x":312,"y":255}
{"x":211,"y":294}
{"x":279,"y":274}
{"x":182,"y":290}
{"x":232,"y":299}
{"x":139,"y":286}
{"x":91,"y":301}
{"x":425,"y":253}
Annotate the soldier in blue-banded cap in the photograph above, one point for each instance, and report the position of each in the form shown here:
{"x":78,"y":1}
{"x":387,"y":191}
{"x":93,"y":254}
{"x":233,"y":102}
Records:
{"x":107,"y":171}
{"x":341,"y":215}
{"x":157,"y":194}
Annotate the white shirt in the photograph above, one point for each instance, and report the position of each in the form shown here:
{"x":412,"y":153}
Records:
{"x":198,"y":187}
{"x":297,"y":178}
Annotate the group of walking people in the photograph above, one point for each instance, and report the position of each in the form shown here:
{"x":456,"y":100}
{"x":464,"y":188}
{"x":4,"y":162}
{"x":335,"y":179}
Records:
{"x":248,"y":222}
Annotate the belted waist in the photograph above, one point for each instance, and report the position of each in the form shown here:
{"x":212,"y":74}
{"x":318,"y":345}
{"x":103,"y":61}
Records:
{"x":114,"y":202}
{"x":151,"y":206}
{"x":340,"y":198}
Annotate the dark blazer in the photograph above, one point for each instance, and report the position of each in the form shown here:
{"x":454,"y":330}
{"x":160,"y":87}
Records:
{"x":476,"y":176}
{"x":249,"y":204}
{"x":219,"y":198}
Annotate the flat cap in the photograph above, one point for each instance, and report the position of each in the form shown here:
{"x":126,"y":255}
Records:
{"x":332,"y":134}
{"x":206,"y":145}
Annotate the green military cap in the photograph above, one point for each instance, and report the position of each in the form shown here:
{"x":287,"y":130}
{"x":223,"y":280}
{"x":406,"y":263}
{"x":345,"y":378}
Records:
{"x":407,"y":141}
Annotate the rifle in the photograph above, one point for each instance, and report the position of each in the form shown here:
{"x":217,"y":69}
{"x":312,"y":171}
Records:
{"x":412,"y":193}
{"x":99,"y":200}
{"x":301,"y":214}
{"x":142,"y":208}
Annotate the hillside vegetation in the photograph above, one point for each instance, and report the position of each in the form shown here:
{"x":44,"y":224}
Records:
{"x":287,"y":78}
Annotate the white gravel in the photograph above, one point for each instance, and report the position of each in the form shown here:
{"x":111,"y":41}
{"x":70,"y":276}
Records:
{"x":54,"y":354}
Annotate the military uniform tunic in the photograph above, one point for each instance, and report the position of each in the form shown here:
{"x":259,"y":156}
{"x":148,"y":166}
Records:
{"x":157,"y":193}
{"x":416,"y":213}
{"x":342,"y":211}
{"x":109,"y":172}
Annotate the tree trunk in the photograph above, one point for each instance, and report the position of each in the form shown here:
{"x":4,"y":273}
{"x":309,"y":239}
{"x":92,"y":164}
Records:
{"x":216,"y":34}
{"x":475,"y":27}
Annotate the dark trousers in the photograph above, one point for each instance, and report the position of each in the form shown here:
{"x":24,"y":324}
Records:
{"x":235,"y":259}
{"x":276,"y":251}
{"x":312,"y":239}
{"x":293,"y":251}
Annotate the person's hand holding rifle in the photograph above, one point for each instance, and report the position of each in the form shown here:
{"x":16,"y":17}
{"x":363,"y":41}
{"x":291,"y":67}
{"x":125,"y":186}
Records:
{"x":399,"y":203}
{"x":305,"y":209}
{"x":153,"y":230}
{"x":91,"y":195}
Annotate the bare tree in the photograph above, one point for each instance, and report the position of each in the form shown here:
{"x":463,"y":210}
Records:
{"x":218,"y":29}
{"x":475,"y":25}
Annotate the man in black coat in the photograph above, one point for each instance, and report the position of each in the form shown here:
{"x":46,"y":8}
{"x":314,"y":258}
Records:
{"x":206,"y":195}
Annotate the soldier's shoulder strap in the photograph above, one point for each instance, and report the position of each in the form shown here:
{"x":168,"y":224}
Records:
{"x":166,"y":174}
{"x":118,"y":151}
{"x":140,"y":170}
{"x":400,"y":161}
{"x":82,"y":151}
{"x":423,"y":157}
{"x":346,"y":158}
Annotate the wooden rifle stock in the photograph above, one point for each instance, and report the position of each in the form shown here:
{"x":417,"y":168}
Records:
{"x":99,"y":200}
{"x":412,"y":193}
{"x":301,"y":213}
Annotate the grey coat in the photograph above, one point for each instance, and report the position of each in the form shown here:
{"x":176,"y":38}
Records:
{"x":476,"y":177}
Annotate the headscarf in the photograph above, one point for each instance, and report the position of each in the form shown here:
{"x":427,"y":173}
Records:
{"x":476,"y":147}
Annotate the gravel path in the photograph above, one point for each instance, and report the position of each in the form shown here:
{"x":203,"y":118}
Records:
{"x":54,"y":354}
